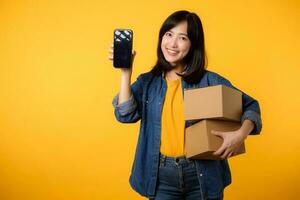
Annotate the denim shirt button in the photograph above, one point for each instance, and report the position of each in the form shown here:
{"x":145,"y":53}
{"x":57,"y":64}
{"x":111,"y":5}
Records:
{"x":200,"y":174}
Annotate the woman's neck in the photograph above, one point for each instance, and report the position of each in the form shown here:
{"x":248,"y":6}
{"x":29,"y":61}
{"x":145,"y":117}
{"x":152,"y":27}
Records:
{"x":172,"y":74}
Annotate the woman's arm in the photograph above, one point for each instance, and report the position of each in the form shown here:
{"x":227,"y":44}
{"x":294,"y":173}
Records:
{"x":250,"y":120}
{"x":125,"y":90}
{"x":124,"y":102}
{"x":251,"y":108}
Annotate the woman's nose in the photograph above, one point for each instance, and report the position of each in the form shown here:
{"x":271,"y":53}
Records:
{"x":173,"y":42}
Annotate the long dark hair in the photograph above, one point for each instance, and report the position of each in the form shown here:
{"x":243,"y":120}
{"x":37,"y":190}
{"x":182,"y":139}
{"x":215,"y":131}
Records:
{"x":195,"y":60}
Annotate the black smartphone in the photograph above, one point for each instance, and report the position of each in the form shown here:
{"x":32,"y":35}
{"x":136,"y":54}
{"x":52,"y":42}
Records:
{"x":122,"y":48}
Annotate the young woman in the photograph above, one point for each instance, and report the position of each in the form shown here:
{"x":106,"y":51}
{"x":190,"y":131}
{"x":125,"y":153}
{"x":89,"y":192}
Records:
{"x":160,"y":170}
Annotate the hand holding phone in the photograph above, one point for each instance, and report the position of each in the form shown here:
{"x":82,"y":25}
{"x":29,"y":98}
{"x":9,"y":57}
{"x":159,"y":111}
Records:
{"x":124,"y":65}
{"x":122,"y":48}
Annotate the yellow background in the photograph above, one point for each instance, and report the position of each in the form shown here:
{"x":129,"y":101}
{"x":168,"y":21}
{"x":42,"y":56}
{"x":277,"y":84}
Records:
{"x":58,"y":135}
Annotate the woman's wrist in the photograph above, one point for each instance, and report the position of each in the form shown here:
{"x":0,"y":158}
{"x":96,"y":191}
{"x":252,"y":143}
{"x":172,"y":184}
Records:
{"x":246,"y":128}
{"x":125,"y":89}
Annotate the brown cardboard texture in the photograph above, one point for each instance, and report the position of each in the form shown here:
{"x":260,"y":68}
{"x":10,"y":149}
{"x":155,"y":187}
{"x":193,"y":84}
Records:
{"x":218,"y":102}
{"x":200,"y":143}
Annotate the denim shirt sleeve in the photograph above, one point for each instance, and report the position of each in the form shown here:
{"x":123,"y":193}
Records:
{"x":251,"y":109}
{"x":128,"y":112}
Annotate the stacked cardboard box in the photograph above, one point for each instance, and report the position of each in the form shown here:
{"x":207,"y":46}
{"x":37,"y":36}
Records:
{"x":218,"y":108}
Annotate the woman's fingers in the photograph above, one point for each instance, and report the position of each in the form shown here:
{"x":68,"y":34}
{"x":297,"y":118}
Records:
{"x":111,"y":52}
{"x":225,"y":154}
{"x":220,"y":151}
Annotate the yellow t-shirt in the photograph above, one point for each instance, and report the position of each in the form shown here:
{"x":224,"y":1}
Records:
{"x":173,"y":124}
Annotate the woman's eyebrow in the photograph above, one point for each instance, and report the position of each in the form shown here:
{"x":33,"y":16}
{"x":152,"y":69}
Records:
{"x":179,"y":33}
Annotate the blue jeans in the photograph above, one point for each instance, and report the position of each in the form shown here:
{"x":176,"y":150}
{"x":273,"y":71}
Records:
{"x":178,"y":180}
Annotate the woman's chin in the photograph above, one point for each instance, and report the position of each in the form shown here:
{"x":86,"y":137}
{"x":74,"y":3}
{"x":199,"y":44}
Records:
{"x":172,"y":62}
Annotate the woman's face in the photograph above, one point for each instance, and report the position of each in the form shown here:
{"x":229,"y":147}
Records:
{"x":175,"y":44}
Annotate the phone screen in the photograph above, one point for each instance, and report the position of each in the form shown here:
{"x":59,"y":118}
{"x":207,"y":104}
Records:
{"x":122,"y":48}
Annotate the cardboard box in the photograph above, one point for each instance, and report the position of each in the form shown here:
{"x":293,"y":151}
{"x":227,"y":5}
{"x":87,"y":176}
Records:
{"x":218,"y":102}
{"x":200,"y":143}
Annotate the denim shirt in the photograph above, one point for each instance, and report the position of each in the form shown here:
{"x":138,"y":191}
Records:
{"x":145,"y":104}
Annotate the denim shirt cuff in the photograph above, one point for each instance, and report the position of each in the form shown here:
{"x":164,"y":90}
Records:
{"x":125,"y":107}
{"x":255,"y":118}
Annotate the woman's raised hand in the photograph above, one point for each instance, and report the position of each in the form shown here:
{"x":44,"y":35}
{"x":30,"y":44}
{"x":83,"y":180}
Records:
{"x":111,"y":57}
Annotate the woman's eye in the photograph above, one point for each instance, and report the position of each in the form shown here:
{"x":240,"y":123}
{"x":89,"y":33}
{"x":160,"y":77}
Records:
{"x":183,"y":38}
{"x":168,"y":34}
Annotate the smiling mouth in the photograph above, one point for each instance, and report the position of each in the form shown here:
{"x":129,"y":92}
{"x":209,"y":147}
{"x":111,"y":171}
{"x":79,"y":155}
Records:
{"x":172,"y":52}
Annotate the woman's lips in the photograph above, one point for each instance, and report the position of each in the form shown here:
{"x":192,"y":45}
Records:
{"x":172,"y":52}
